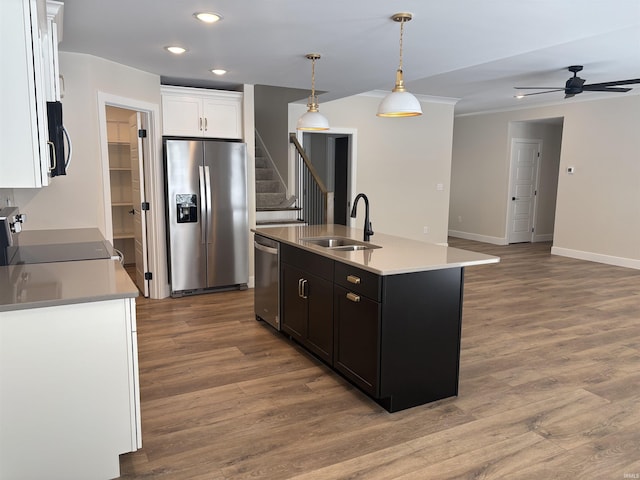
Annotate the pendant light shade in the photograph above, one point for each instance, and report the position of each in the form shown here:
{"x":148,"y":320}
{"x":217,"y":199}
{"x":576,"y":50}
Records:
{"x":313,"y":120}
{"x":400,"y":103}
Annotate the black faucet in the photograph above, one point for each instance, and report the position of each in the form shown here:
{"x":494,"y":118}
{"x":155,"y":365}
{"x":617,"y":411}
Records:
{"x":367,"y":224}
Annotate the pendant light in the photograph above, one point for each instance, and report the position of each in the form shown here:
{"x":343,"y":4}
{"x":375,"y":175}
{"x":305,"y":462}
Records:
{"x":313,"y":120}
{"x":400,"y":103}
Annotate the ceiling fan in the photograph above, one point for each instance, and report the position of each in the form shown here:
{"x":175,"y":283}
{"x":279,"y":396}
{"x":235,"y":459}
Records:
{"x":576,"y":85}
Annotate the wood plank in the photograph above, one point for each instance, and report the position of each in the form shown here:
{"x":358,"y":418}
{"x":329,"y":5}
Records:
{"x":550,"y":365}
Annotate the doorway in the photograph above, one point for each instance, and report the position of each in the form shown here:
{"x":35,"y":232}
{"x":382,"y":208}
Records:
{"x":125,"y":133}
{"x":333,"y":155}
{"x":534,"y":169}
{"x":523,"y":186}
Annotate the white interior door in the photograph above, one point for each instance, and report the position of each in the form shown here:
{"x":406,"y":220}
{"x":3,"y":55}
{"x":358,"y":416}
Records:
{"x":138,"y":197}
{"x":525,"y":155}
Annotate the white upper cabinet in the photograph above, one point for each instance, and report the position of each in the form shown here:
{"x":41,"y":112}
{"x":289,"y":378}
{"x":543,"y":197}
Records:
{"x":196,"y":112}
{"x":29,"y":60}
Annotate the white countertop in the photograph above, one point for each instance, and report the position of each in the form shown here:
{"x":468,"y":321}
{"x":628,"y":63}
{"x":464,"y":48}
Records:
{"x":63,"y":283}
{"x":397,"y":255}
{"x":37,"y":285}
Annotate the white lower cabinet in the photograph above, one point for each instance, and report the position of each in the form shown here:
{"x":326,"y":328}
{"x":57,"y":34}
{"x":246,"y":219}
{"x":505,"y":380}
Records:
{"x":69,"y":390}
{"x":197,"y":112}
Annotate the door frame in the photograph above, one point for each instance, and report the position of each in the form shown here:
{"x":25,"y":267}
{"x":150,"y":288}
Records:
{"x":536,"y":186}
{"x":153,"y":178}
{"x":352,"y":133}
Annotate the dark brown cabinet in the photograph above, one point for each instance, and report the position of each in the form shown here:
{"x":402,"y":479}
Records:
{"x":307,"y":300}
{"x":357,"y":339}
{"x":396,"y":337}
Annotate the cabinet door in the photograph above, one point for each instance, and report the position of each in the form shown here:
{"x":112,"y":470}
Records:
{"x":294,"y":306}
{"x":23,"y":133}
{"x":222,"y":116}
{"x":307,"y":310}
{"x":182,"y":115}
{"x":320,"y":317}
{"x":357,"y":339}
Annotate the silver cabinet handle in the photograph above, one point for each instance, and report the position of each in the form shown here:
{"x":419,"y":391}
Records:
{"x":200,"y":124}
{"x":206,"y":124}
{"x":353,"y":297}
{"x":53,"y":164}
{"x":353,"y":279}
{"x":302,"y":287}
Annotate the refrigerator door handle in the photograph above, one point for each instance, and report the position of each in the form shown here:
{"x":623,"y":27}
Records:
{"x":207,"y":186}
{"x":203,"y":208}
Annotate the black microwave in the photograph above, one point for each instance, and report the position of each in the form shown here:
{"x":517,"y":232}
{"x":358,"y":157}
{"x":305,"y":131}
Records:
{"x":59,"y":142}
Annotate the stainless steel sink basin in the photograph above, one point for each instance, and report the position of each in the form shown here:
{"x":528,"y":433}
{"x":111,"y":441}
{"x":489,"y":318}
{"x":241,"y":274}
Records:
{"x":339,"y":243}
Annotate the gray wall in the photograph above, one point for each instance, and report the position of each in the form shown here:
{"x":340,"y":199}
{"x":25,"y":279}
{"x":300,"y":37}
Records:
{"x":598,"y":207}
{"x":271,"y":120}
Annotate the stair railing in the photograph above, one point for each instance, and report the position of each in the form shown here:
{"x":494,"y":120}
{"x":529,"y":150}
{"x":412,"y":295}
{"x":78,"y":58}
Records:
{"x":314,"y":200}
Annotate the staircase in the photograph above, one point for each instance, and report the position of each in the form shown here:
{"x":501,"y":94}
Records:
{"x":272,"y":205}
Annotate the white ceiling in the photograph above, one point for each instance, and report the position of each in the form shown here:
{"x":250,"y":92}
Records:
{"x":471,"y":50}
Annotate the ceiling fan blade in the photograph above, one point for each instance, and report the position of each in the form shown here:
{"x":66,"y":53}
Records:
{"x":539,"y":93}
{"x":538,"y":88}
{"x":592,"y":88}
{"x":613,"y":84}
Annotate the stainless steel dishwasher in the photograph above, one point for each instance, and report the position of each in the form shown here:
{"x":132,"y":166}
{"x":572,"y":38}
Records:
{"x":267,"y":280}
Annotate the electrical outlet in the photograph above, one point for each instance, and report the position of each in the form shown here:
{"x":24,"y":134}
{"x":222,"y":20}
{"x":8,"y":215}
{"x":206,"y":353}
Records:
{"x":425,"y":230}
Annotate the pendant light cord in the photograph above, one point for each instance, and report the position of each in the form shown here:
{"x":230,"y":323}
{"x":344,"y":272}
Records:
{"x":313,"y":78}
{"x":401,"y":35}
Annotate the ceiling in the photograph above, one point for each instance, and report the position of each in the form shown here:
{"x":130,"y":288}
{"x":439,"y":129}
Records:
{"x":463,"y":49}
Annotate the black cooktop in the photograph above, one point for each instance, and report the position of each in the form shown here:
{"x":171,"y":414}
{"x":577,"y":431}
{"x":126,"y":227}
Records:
{"x":58,"y":252}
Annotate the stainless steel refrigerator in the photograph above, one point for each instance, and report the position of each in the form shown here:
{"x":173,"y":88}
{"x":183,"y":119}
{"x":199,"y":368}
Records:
{"x":207,"y":216}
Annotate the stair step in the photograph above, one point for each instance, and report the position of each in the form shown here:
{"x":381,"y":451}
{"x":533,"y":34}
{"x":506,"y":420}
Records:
{"x":275,"y":215}
{"x":261,"y":162}
{"x":269,"y":186}
{"x":264,"y":174}
{"x":269,"y":199}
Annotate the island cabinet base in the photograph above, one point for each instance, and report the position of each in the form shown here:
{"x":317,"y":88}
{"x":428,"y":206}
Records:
{"x":403,"y":347}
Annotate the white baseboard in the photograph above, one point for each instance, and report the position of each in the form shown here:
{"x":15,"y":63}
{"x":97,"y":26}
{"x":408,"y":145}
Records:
{"x":596,"y":257}
{"x":478,"y":238}
{"x":251,"y":283}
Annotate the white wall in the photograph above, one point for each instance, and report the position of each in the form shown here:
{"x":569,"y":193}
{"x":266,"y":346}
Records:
{"x":77,"y":199}
{"x":400,"y":162}
{"x":597,"y":208}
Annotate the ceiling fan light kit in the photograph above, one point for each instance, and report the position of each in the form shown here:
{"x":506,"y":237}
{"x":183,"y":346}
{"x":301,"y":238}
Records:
{"x":576,"y":85}
{"x":400,"y":103}
{"x":313,"y":120}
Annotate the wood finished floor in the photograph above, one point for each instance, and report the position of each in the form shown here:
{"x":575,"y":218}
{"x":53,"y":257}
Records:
{"x":549,"y":387}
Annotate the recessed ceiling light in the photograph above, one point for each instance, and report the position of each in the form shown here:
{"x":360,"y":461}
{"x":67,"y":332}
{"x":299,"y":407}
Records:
{"x":176,"y":50}
{"x":218,"y":71}
{"x":208,"y":17}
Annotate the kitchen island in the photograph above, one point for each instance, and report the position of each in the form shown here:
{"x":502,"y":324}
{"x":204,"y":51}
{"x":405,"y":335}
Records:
{"x":69,"y":390}
{"x":385,"y":314}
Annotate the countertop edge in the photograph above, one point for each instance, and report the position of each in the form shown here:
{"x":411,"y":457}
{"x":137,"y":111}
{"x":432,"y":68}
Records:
{"x":270,"y":232}
{"x":73,"y":301}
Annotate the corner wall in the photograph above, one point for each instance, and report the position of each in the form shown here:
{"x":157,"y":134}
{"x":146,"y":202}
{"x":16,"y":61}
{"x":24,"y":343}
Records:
{"x":77,"y":199}
{"x":400,"y":163}
{"x":597,"y":207}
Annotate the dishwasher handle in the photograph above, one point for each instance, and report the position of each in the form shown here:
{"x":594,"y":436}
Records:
{"x":264,"y":248}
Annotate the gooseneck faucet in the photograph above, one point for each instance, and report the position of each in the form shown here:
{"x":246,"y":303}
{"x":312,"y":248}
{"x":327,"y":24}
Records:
{"x":367,"y":224}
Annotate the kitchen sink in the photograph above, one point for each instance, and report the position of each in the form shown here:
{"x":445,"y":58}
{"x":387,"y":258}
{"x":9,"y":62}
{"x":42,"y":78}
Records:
{"x":339,"y":243}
